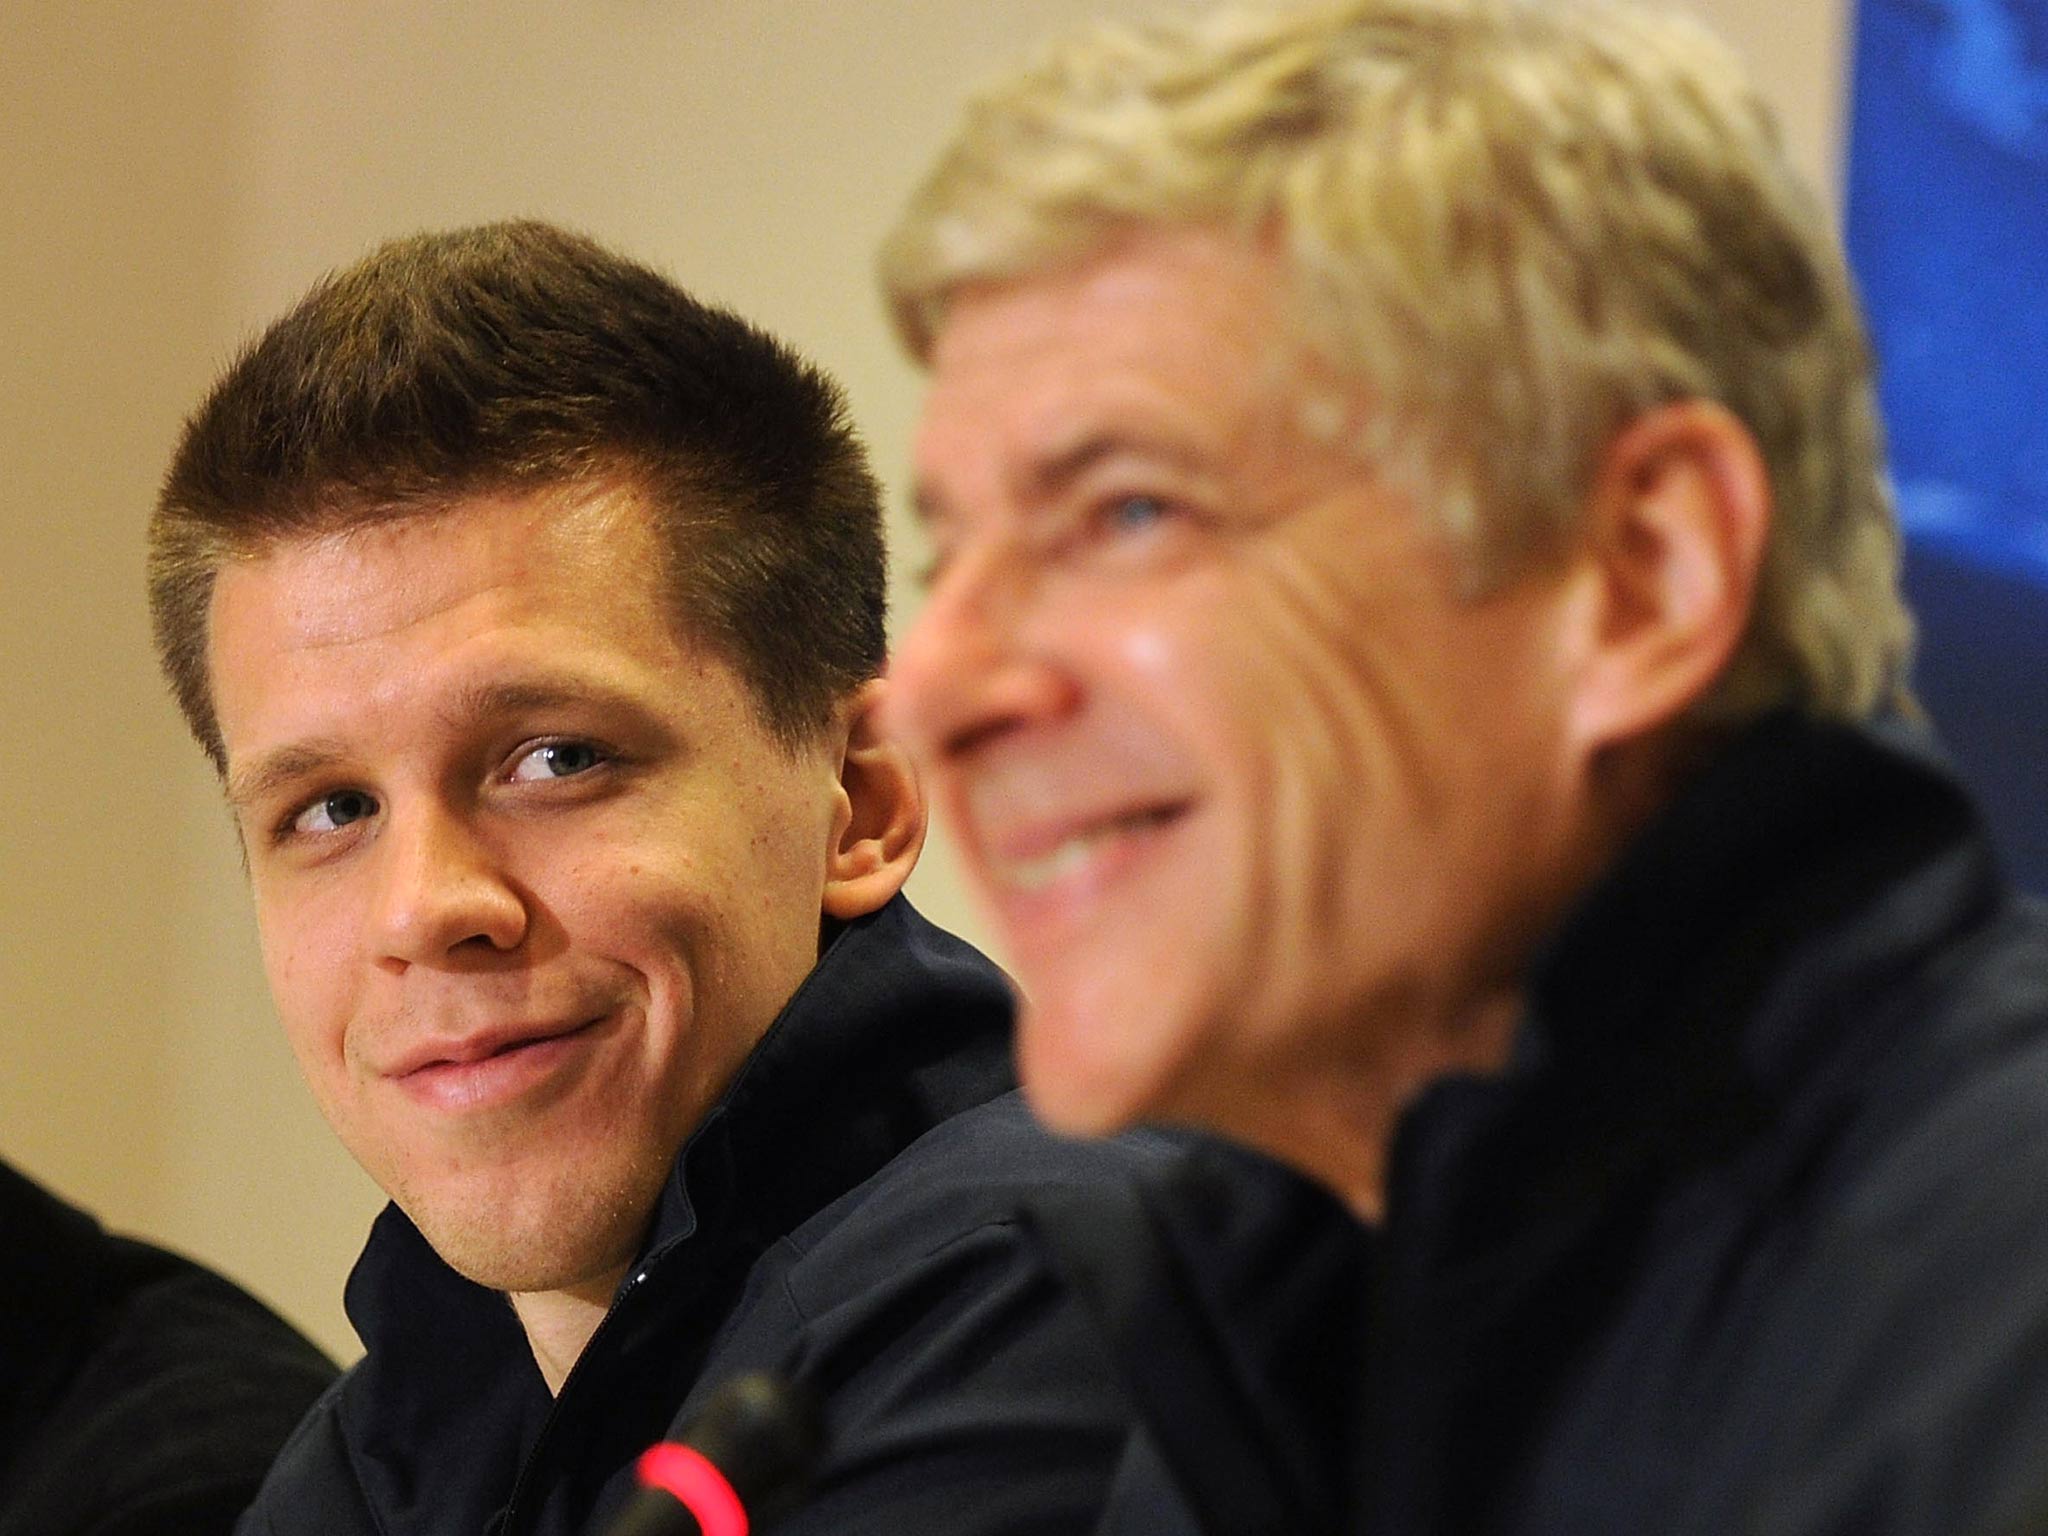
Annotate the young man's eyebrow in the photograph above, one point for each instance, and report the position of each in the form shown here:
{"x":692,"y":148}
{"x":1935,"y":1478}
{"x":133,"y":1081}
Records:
{"x":516,"y":696}
{"x":262,"y":777}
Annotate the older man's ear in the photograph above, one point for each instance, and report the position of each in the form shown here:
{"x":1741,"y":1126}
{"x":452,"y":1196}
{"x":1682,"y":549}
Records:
{"x":1677,"y":519}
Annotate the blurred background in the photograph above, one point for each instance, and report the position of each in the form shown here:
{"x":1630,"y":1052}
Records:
{"x":1947,"y":190}
{"x":175,"y":174}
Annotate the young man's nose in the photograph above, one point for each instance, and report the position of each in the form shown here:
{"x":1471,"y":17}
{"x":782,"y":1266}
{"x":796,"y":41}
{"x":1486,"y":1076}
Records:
{"x":439,"y":889}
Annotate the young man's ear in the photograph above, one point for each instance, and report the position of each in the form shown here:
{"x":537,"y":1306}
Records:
{"x":880,"y":826}
{"x":1678,"y":517}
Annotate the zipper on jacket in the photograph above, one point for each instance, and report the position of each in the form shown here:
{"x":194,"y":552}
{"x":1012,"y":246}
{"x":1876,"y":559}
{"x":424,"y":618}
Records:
{"x":510,"y":1524}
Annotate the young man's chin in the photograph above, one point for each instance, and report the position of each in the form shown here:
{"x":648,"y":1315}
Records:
{"x":525,"y":1230}
{"x":525,"y":1262}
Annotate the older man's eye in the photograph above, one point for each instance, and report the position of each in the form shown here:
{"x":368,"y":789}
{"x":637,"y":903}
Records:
{"x":330,"y":813}
{"x":557,"y":760}
{"x":1129,"y":514}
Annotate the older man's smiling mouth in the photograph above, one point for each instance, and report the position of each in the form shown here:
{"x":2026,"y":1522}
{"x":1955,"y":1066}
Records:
{"x":1034,"y":862}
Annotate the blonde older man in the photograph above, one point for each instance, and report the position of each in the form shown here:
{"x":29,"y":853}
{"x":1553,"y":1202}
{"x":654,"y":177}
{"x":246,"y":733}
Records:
{"x":1415,"y":662}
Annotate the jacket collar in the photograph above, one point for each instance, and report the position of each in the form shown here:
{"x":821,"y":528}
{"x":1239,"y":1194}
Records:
{"x":1714,"y":1002}
{"x":866,"y":1056}
{"x":1709,"y":950}
{"x":1708,"y":980}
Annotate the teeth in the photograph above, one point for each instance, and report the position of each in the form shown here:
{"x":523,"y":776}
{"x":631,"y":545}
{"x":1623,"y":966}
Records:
{"x":1035,"y":874}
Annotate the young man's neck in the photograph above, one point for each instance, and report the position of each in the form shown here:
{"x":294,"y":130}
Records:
{"x":559,"y":1324}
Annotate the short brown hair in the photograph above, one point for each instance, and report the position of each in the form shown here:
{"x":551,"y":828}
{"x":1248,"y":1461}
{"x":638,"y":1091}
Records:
{"x":514,"y":356}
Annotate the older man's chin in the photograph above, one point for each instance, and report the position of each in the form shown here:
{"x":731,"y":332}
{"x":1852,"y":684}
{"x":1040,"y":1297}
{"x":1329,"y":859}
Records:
{"x":1093,"y":1064}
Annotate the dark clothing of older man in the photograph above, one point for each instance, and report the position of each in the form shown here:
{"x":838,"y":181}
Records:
{"x":1751,"y":1235}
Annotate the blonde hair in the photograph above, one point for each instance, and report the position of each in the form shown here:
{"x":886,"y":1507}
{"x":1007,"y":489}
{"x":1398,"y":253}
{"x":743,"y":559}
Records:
{"x":1518,"y":225}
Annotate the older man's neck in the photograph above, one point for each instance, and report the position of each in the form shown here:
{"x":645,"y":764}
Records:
{"x":559,"y":1324}
{"x":1337,"y":1122}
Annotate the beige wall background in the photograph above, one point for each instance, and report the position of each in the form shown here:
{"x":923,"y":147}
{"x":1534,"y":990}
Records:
{"x":171,"y":176}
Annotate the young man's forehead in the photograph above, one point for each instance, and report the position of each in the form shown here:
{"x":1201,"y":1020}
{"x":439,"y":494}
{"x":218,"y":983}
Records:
{"x":605,"y":526}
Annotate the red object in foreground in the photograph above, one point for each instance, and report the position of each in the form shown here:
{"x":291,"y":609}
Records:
{"x":697,"y":1485}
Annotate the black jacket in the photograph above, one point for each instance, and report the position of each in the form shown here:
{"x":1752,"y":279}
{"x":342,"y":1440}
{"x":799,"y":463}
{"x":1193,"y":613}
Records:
{"x":1751,"y":1238}
{"x":140,"y":1395}
{"x":1753,"y":1235}
{"x":1232,"y":1292}
{"x":848,"y":1213}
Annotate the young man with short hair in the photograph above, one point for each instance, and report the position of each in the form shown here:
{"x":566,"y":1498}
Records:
{"x":531,"y":612}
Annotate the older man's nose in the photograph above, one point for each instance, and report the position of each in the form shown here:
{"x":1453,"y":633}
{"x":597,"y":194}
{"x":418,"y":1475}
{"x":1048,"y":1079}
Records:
{"x":971,"y":667}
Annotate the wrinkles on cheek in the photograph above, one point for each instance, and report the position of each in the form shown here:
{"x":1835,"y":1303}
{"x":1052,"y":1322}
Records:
{"x":1347,"y":699}
{"x":1341,"y":787}
{"x":1363,"y":639}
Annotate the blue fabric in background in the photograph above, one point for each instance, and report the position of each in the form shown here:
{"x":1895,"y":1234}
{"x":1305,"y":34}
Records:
{"x":1948,"y":233}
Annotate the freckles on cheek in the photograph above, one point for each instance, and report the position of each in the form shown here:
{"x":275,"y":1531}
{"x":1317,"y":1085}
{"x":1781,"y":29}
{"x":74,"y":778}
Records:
{"x":283,"y":962}
{"x":305,"y":964}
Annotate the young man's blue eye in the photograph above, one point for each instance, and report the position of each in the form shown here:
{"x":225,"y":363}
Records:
{"x":350,"y":805}
{"x":570,"y":757}
{"x":330,"y":813}
{"x":557,"y":760}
